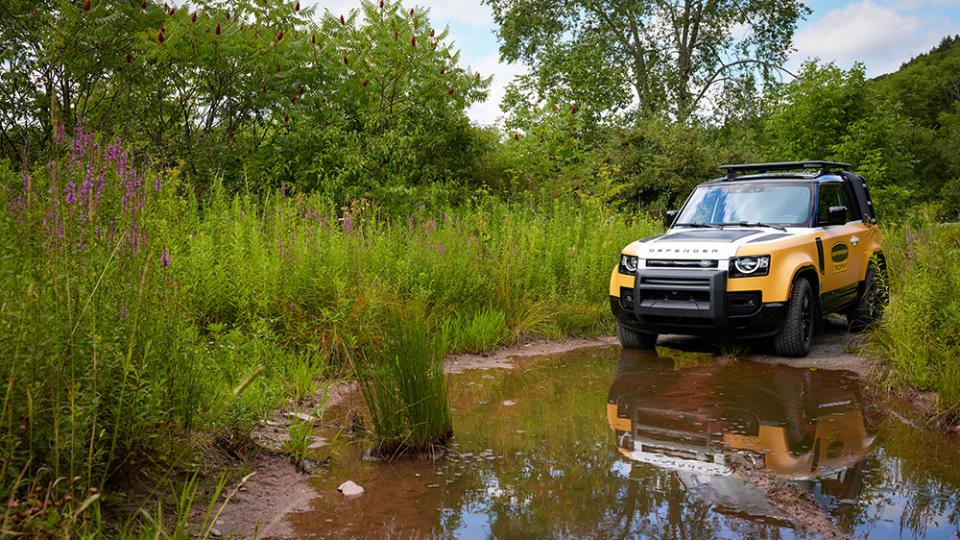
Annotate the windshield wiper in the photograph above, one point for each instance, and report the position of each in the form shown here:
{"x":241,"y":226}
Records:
{"x":706,"y":225}
{"x":754,"y":224}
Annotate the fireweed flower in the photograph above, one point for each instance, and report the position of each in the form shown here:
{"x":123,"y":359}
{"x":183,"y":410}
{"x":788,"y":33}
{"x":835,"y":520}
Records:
{"x":165,"y":257}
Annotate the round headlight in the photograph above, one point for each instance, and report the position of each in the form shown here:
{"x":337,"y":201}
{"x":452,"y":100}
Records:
{"x":629,"y":263}
{"x":751,"y":265}
{"x":747,"y":265}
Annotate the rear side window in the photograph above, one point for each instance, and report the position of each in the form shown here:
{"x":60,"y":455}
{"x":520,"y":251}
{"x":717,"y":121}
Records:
{"x":831,"y":195}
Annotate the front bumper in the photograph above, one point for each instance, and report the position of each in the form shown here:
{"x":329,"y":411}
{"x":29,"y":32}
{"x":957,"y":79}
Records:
{"x":694,"y":302}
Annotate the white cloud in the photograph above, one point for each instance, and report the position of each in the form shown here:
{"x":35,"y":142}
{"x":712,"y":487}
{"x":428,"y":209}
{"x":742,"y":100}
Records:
{"x":915,"y":5}
{"x":858,"y":31}
{"x":877,"y":35}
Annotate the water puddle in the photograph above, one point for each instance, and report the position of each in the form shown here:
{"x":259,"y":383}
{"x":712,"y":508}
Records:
{"x":605,"y":443}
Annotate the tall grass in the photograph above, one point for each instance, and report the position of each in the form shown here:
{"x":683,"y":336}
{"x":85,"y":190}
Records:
{"x":131,"y":309}
{"x":920,"y":333}
{"x":404,"y":388}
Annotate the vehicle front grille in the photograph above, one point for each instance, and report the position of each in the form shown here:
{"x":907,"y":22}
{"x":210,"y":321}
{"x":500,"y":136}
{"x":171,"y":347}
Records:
{"x":686,"y":295}
{"x":684,"y":282}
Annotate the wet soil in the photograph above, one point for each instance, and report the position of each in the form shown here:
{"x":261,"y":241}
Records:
{"x":696,"y":439}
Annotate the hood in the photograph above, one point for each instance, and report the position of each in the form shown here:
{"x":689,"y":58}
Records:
{"x":706,"y":243}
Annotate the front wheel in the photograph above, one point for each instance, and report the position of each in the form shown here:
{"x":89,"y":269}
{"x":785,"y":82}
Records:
{"x":796,"y":335}
{"x":632,"y":339}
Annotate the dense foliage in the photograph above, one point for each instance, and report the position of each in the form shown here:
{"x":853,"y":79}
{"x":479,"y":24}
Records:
{"x":920,"y":337}
{"x":133,"y":311}
{"x":369,"y":101}
{"x":663,"y":57}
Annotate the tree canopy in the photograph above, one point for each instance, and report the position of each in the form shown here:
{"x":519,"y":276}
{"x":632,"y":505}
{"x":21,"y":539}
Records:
{"x":655,"y":58}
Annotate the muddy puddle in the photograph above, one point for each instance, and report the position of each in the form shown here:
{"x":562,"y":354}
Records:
{"x":607,"y":443}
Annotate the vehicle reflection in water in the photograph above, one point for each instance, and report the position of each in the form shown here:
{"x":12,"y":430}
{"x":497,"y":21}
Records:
{"x":709,"y":423}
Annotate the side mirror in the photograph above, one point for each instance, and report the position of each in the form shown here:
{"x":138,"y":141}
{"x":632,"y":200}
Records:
{"x":668,"y":217}
{"x":836,"y":215}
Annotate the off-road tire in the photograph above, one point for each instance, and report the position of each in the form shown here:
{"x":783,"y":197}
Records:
{"x":870,"y":305}
{"x":632,"y":339}
{"x":795,"y":337}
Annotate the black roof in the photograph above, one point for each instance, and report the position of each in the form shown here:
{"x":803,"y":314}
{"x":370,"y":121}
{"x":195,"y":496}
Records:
{"x":822,"y":167}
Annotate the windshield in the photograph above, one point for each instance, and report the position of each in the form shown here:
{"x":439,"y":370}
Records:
{"x":781,"y":204}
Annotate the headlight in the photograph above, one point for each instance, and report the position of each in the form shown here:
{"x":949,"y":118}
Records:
{"x":756,"y":265}
{"x":628,"y":264}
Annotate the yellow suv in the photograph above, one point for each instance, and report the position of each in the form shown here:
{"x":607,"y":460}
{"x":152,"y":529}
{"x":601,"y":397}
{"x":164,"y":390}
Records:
{"x":766,"y":251}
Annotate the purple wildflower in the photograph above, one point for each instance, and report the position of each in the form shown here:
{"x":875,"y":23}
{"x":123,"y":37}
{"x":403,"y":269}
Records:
{"x":165,"y":258}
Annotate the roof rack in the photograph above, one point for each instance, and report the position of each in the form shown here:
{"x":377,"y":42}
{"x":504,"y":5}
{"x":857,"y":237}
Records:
{"x":824,"y":166}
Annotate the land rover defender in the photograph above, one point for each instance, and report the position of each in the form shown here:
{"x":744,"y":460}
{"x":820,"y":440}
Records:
{"x":766,"y":251}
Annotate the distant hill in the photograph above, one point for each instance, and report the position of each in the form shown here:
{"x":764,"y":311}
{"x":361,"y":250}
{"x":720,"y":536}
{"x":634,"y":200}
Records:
{"x":947,"y":47}
{"x":928,"y":85}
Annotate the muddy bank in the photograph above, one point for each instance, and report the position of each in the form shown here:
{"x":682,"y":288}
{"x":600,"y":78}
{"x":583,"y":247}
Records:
{"x":503,"y":356}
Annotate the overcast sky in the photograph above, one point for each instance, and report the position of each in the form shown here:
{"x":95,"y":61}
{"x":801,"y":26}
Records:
{"x":880,"y":33}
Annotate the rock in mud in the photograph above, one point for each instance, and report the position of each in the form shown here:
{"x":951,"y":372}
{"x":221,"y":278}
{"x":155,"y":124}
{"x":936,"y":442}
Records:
{"x":350,"y":490}
{"x":300,"y":416}
{"x":319,"y":442}
{"x":309,"y":466}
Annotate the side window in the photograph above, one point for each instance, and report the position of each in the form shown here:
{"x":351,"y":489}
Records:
{"x":831,"y":195}
{"x":854,"y":212}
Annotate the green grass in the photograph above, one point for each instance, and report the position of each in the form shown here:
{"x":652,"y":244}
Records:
{"x":404,"y":387}
{"x":919,"y":338}
{"x":131,"y":317}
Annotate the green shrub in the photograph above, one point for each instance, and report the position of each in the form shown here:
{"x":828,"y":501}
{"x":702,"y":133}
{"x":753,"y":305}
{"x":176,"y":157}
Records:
{"x":659,"y":164}
{"x":483,"y":331}
{"x":920,"y":333}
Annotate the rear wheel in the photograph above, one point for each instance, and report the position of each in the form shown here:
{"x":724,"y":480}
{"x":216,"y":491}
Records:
{"x":632,"y":339}
{"x":870,"y":305}
{"x":796,"y":335}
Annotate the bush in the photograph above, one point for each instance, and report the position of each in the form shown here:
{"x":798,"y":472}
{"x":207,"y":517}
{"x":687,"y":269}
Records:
{"x":659,"y":165}
{"x":920,"y":333}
